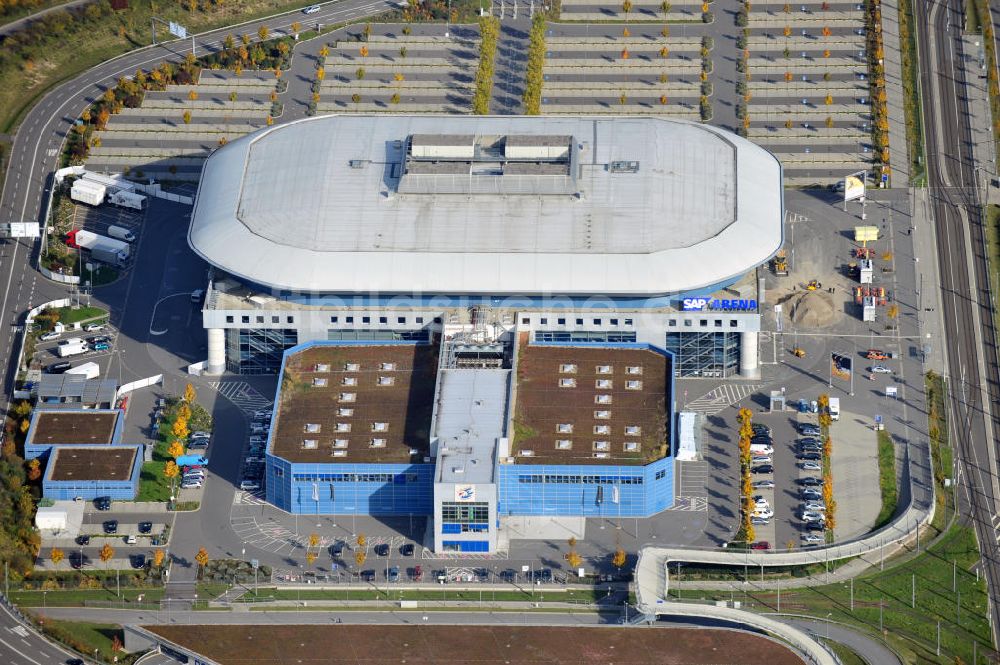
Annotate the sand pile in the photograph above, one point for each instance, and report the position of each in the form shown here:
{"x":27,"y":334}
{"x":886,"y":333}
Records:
{"x":811,"y":309}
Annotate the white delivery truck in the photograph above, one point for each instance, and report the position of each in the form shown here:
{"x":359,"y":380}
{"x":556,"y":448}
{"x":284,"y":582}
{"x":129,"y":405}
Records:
{"x":128,"y":200}
{"x":90,"y":370}
{"x":102,"y":248}
{"x":71,"y":347}
{"x":85,"y":191}
{"x":121,"y":233}
{"x":834,"y":408}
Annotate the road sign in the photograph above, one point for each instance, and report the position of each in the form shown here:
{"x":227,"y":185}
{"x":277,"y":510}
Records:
{"x":878,"y":419}
{"x":255,"y":564}
{"x":178,"y":30}
{"x":24,"y":230}
{"x":885,"y":177}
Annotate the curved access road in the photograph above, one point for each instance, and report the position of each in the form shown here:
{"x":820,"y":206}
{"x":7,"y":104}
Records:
{"x":17,"y":24}
{"x":35,"y":152}
{"x":20,"y":644}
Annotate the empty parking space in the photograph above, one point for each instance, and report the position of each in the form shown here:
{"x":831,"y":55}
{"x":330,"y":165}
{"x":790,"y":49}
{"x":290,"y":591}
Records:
{"x":809,"y":97}
{"x":393,"y":72}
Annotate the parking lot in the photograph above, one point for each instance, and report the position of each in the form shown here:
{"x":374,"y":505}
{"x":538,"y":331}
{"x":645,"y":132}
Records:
{"x":171,"y":134}
{"x":809,"y":90}
{"x":394,"y":72}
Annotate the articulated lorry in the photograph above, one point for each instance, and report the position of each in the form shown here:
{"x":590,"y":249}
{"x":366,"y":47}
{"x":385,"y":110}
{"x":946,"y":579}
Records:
{"x":128,"y":200}
{"x":102,"y":248}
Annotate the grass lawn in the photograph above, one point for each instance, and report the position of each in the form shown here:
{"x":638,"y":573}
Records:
{"x":70,"y":315}
{"x":153,"y":485}
{"x":911,"y":630}
{"x":844,"y":654}
{"x":886,"y":479}
{"x":77,"y":597}
{"x":16,"y":13}
{"x":937,"y":428}
{"x":94,"y":639}
{"x":991,"y":220}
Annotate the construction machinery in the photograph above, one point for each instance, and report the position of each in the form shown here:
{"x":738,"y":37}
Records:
{"x":813,"y":285}
{"x":799,"y":352}
{"x":779,"y":264}
{"x":864,"y":253}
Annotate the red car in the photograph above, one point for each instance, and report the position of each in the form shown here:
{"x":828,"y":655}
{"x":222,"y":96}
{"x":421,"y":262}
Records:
{"x":876,"y":354}
{"x":761,"y":545}
{"x":418,"y":573}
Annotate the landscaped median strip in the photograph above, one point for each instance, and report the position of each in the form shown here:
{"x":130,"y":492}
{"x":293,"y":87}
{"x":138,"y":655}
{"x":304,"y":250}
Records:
{"x":536,"y":64}
{"x":489,"y":35}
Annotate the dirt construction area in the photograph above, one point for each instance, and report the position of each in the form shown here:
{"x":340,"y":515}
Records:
{"x":482,"y":645}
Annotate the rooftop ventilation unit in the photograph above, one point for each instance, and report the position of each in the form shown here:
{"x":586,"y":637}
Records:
{"x":623,"y":167}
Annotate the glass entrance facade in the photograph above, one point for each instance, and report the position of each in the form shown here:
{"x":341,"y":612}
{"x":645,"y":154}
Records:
{"x":257,"y":351}
{"x":708,"y":354}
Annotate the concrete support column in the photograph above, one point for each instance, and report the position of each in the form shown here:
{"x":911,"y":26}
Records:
{"x":216,"y":351}
{"x":749,"y":356}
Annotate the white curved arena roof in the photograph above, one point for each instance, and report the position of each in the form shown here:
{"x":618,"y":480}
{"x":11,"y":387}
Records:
{"x":488,"y":205}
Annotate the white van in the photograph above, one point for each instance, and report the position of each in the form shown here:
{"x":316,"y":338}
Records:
{"x":762,"y":448}
{"x":834,"y":408}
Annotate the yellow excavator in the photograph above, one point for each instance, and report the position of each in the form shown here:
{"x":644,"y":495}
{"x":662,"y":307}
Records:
{"x":813,"y":285}
{"x":799,"y":352}
{"x":780,"y":263}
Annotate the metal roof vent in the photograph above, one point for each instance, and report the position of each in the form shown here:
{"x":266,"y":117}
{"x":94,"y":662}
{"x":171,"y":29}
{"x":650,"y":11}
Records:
{"x":623,"y":167}
{"x":359,"y":163}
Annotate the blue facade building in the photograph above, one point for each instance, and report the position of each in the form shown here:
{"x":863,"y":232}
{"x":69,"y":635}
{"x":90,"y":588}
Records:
{"x":90,"y":472}
{"x":350,"y":489}
{"x":591,"y":490}
{"x":56,"y":427}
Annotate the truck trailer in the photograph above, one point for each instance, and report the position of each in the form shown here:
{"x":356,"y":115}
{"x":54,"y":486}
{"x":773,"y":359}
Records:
{"x":128,"y":200}
{"x":85,"y":191}
{"x":90,"y":370}
{"x":102,"y":248}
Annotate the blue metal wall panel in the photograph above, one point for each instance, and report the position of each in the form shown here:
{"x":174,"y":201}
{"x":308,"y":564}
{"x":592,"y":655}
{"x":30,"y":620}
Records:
{"x":407,"y":489}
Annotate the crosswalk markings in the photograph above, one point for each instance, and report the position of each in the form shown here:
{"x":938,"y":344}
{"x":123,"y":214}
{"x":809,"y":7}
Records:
{"x":690,"y":503}
{"x":721,"y":397}
{"x":465,"y":556}
{"x":244,"y":396}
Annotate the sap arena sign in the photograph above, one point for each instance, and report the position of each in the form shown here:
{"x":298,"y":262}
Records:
{"x":718,"y":305}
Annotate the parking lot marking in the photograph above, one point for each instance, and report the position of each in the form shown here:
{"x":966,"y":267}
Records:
{"x":721,"y":397}
{"x":690,"y":504}
{"x":244,"y":396}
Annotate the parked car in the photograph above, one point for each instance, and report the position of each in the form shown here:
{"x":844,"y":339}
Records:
{"x":49,"y":336}
{"x":760,"y":502}
{"x":810,"y":516}
{"x":763,"y":468}
{"x":190,"y":485}
{"x":808,"y":429}
{"x":881,"y":369}
{"x":145,"y":527}
{"x":760,"y":429}
{"x":814,"y":506}
{"x":810,"y":494}
{"x":83,"y":540}
{"x":407,"y":549}
{"x":137,"y":560}
{"x":759,"y":521}
{"x":546,"y":575}
{"x":103,"y":503}
{"x":368,"y":575}
{"x":196,"y":295}
{"x":761,"y":545}
{"x":809,"y":439}
{"x":876,"y":354}
{"x":58,"y":368}
{"x":763,"y":484}
{"x":765,"y":440}
{"x":810,"y":481}
{"x":809,"y":457}
{"x":812,"y":538}
{"x":382,"y":549}
{"x":111,"y":527}
{"x":815,"y":526}
{"x":393,"y":574}
{"x":418,"y":573}
{"x":100,"y":346}
{"x":761,"y":459}
{"x":93,"y":327}
{"x":249,"y":486}
{"x":130,"y":539}
{"x":811,"y":466}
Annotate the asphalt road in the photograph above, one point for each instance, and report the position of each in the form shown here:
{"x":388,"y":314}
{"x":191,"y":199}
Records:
{"x":20,"y":645}
{"x":966,"y":300}
{"x":34,"y":155}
